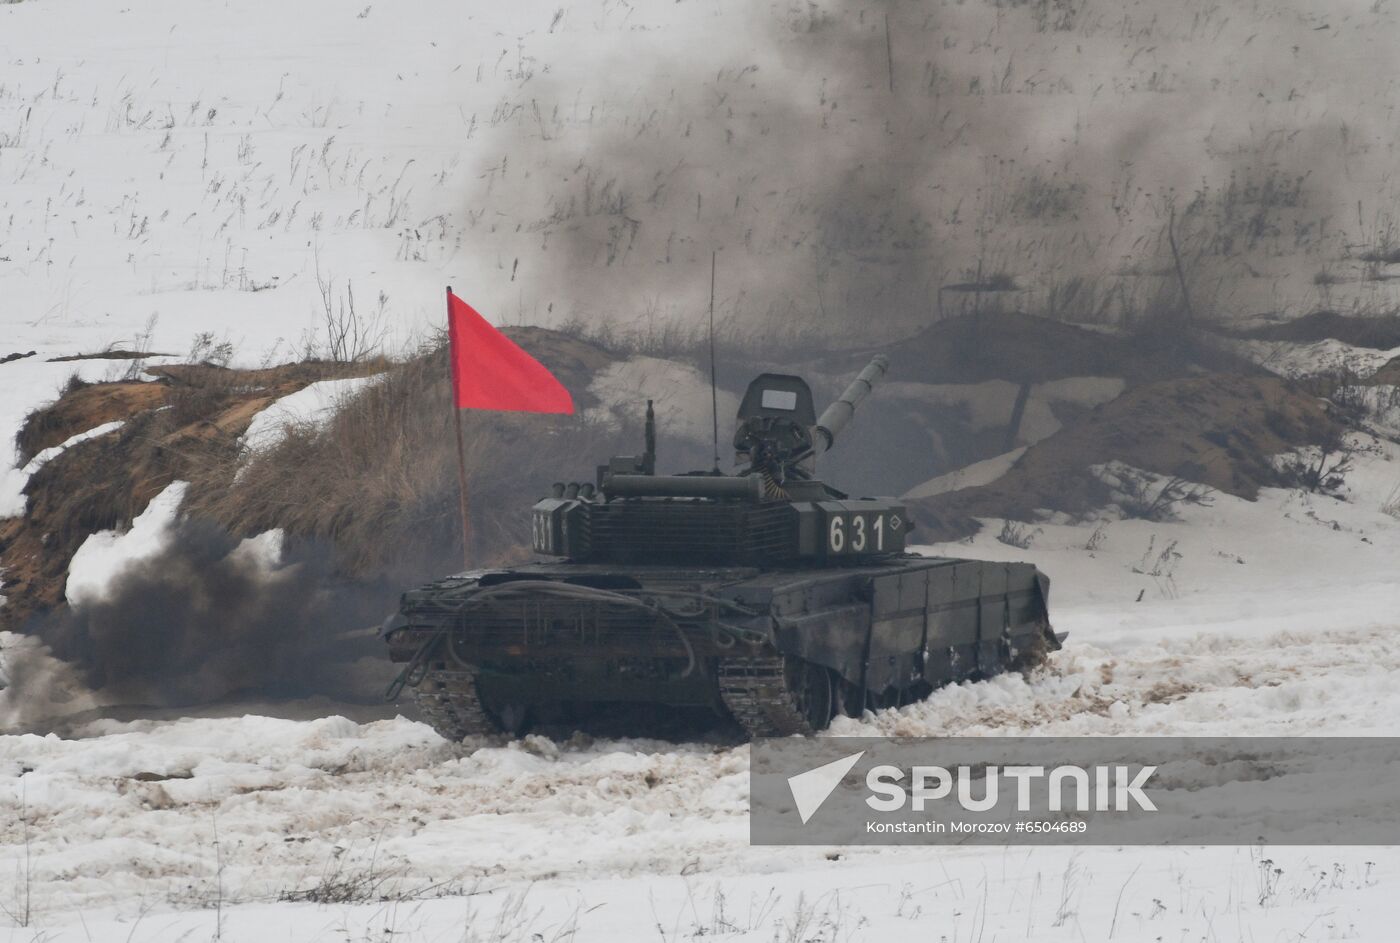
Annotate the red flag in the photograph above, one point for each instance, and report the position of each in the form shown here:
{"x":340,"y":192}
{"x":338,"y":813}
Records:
{"x":491,"y":372}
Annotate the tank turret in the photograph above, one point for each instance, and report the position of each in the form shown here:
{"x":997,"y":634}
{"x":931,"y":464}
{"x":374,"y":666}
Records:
{"x":772,"y":512}
{"x":779,"y":434}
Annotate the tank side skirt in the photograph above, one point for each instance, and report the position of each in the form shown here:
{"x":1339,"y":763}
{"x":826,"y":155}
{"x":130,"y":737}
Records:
{"x":887,"y":630}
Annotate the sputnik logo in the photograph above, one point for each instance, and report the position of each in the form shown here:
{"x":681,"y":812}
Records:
{"x":814,"y":787}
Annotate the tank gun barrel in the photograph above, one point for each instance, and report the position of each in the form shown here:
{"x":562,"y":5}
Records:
{"x":836,"y":416}
{"x":683,"y":486}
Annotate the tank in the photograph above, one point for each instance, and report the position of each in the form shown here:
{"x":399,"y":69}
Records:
{"x":767,"y":596}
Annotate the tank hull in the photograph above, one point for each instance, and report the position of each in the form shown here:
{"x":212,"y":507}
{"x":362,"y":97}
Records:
{"x":781,"y":651}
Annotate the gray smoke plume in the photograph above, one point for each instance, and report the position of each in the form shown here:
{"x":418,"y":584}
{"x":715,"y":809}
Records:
{"x":748,"y":153}
{"x":200,"y":621}
{"x":864,"y":169}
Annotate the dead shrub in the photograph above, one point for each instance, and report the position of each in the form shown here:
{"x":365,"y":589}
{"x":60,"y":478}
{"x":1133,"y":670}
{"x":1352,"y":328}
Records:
{"x":1391,"y":506}
{"x":1017,"y":534}
{"x":349,"y":334}
{"x":1316,"y":470}
{"x":1146,"y":497}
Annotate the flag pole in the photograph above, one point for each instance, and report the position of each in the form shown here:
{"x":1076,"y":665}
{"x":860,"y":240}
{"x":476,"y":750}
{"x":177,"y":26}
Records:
{"x":714,"y":394}
{"x":453,"y":340}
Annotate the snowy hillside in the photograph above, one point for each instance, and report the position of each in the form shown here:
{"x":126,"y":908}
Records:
{"x":239,"y":169}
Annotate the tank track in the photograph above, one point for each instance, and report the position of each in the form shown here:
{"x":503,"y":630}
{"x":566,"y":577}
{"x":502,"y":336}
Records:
{"x":448,"y":700}
{"x":754,"y":688}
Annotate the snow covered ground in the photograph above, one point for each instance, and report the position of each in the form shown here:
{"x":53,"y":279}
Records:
{"x":171,"y":170}
{"x":1274,"y":617}
{"x":14,"y":480}
{"x":1329,"y":356}
{"x":311,"y":406}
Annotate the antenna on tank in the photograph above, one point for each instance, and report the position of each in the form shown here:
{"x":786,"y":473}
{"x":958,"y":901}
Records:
{"x":649,"y":452}
{"x":714,"y":387}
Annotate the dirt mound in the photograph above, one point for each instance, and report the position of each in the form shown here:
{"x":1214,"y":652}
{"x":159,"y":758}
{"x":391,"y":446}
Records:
{"x":1219,"y":430}
{"x":1026,"y":349}
{"x":1377,"y":333}
{"x":113,"y":354}
{"x":1389,"y":375}
{"x":970,"y":388}
{"x":84,"y":406}
{"x":188,"y":415}
{"x":573,"y":360}
{"x":378,"y":482}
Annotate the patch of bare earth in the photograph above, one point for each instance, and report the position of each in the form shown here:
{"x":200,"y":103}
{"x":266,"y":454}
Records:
{"x":1023,"y":348}
{"x":1388,"y":375}
{"x":1379,"y":332}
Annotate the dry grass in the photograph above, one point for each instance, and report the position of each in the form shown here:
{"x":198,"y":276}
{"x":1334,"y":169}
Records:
{"x":82,"y":406}
{"x":379,"y":481}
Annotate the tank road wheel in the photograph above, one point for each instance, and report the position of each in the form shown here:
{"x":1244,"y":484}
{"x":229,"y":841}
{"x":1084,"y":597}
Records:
{"x":773,"y":695}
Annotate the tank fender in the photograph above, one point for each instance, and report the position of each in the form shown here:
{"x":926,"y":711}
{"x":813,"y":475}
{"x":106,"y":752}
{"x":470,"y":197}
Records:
{"x":392,"y":623}
{"x":899,"y":628}
{"x":834,"y":637}
{"x":1055,"y":640}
